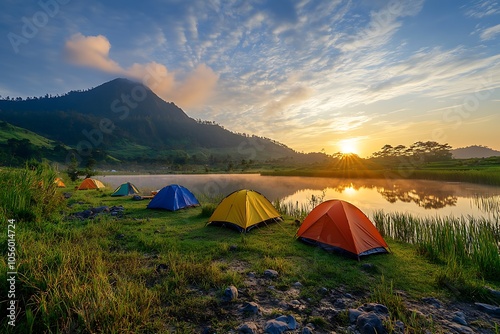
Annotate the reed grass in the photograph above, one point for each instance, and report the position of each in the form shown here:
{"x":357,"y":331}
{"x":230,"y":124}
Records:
{"x":464,"y":240}
{"x":296,"y":210}
{"x":29,"y":194}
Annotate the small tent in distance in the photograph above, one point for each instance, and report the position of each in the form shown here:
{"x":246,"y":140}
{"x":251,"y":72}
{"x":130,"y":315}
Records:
{"x":340,"y":226}
{"x":59,"y":183}
{"x":173,"y":197}
{"x":125,"y":189}
{"x":243,"y":210}
{"x":90,"y":183}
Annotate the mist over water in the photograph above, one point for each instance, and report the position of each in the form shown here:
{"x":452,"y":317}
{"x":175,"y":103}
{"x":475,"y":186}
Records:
{"x":420,"y":197}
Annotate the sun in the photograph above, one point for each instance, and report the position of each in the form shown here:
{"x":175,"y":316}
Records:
{"x":348,"y":146}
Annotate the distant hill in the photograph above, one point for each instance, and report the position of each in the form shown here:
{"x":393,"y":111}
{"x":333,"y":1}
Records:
{"x":474,"y":151}
{"x":130,"y":122}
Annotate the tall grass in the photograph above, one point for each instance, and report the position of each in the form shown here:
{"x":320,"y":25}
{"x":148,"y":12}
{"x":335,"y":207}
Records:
{"x":465,"y":240}
{"x":29,"y":194}
{"x":296,"y":210}
{"x":71,"y":284}
{"x":209,"y":203}
{"x":489,"y":205}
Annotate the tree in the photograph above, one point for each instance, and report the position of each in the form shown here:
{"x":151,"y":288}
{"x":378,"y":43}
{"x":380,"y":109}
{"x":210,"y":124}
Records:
{"x":89,"y":168}
{"x":72,"y":170}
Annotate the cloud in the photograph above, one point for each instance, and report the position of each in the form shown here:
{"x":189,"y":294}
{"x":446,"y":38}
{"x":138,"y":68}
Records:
{"x":196,"y":88}
{"x":382,"y":26}
{"x":482,"y":8}
{"x":296,"y":95}
{"x":190,"y":92}
{"x":490,"y":33}
{"x":91,"y":51}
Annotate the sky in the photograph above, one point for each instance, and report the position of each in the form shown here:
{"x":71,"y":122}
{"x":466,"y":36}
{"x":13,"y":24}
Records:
{"x":315,"y":75}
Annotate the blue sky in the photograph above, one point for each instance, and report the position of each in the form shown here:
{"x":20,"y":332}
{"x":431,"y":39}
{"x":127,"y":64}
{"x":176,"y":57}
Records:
{"x":314,"y":75}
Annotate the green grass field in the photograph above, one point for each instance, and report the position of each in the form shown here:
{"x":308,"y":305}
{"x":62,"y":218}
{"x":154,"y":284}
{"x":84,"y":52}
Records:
{"x":152,"y":271}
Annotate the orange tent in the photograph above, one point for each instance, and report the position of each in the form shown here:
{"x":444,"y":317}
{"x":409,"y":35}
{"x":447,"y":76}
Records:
{"x":91,"y":184}
{"x":59,"y":183}
{"x":339,"y":225}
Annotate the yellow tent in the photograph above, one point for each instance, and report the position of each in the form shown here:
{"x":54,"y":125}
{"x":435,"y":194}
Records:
{"x":244,"y":209}
{"x":59,"y":183}
{"x":91,"y":184}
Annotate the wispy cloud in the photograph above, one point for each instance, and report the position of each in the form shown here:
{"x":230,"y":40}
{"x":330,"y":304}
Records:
{"x":490,"y":33}
{"x":482,"y":8}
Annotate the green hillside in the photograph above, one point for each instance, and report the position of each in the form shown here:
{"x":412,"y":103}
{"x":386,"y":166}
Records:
{"x":9,"y":131}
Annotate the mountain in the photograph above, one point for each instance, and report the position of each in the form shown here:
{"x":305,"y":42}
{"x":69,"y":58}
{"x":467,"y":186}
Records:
{"x":129,"y":121}
{"x":474,"y":151}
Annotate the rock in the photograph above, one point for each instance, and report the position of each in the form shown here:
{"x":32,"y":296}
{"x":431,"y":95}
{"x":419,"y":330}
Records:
{"x":248,"y":328}
{"x":377,"y":308}
{"x":67,"y":195}
{"x":323,"y":290}
{"x":297,"y":285}
{"x":280,"y":324}
{"x":251,"y":274}
{"x":432,"y":301}
{"x":369,"y":267}
{"x":459,"y":318}
{"x":494,"y":293}
{"x":353,"y":315}
{"x":370,"y":323}
{"x":86,"y":214}
{"x":250,"y":307}
{"x":341,"y":303}
{"x":162,"y":267}
{"x":399,"y":327}
{"x":231,"y":293}
{"x":208,"y":330}
{"x":307,"y":330}
{"x":100,"y":209}
{"x":120,"y":236}
{"x":270,"y":273}
{"x":458,"y":328}
{"x":233,"y":248}
{"x":490,"y":309}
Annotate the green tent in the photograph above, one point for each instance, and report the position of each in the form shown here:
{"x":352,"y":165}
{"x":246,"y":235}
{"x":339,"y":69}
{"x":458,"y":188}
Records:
{"x":125,"y":189}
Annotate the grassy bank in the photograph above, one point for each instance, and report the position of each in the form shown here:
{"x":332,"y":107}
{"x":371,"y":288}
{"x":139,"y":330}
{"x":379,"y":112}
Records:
{"x":149,"y":271}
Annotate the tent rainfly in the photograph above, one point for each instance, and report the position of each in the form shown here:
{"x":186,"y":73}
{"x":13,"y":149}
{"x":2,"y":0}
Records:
{"x":173,"y":197}
{"x":89,"y":183}
{"x":59,"y":183}
{"x":244,"y":209}
{"x":340,"y":226}
{"x":126,"y":189}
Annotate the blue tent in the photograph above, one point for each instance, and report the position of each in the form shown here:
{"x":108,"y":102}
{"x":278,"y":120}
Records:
{"x":173,"y":197}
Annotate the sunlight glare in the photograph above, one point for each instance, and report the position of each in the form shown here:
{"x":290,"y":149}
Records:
{"x":348,"y":146}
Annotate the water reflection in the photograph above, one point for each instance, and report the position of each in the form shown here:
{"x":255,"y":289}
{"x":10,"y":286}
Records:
{"x":419,"y":197}
{"x":414,"y":196}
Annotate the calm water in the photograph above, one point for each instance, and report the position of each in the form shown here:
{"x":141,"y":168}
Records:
{"x":418,"y":197}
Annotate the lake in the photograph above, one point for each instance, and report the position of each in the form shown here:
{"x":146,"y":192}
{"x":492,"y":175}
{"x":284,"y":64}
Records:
{"x":419,"y":197}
